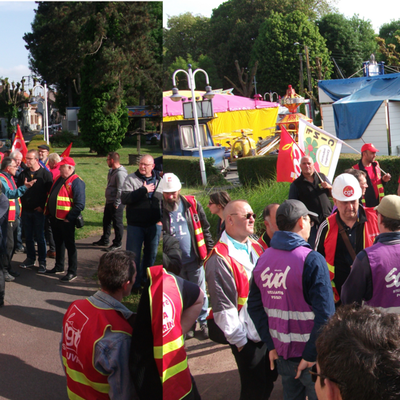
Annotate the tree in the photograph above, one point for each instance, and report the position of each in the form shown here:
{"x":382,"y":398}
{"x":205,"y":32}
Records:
{"x":111,"y":50}
{"x":234,"y":27}
{"x":277,"y":55}
{"x":388,"y":33}
{"x":350,"y":41}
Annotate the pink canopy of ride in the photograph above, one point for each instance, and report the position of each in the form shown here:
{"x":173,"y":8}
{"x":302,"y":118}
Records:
{"x":221,"y":103}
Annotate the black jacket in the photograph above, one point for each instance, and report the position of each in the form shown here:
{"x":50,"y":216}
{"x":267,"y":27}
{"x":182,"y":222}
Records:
{"x":314,"y":197}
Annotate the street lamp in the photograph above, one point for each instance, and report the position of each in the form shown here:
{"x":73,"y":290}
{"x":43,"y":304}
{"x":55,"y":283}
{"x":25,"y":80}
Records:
{"x":208,"y":95}
{"x":45,"y":114}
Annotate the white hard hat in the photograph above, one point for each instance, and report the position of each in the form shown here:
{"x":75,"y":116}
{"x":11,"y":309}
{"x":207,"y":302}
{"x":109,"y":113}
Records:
{"x":171,"y":183}
{"x":346,"y":188}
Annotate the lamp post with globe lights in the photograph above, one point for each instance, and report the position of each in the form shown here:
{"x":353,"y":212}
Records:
{"x":190,"y":74}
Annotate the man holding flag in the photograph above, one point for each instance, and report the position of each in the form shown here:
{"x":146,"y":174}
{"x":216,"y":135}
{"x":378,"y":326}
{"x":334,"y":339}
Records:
{"x":313,"y":189}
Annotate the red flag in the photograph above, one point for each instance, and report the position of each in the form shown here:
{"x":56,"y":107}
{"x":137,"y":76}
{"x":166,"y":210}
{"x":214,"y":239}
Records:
{"x":19,"y":144}
{"x":288,"y":165}
{"x":65,"y":153}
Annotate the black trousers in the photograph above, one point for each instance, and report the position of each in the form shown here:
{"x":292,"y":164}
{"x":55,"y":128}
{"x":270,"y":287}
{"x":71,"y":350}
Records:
{"x":64,"y":238}
{"x":12,"y":231}
{"x":256,"y":378}
{"x":115,"y":216}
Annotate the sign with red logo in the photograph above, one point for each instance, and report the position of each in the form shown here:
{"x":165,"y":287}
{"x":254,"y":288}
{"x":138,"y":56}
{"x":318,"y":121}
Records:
{"x":348,"y":191}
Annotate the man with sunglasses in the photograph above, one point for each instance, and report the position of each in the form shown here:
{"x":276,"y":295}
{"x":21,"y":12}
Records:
{"x":228,"y":272}
{"x":291,"y":298}
{"x":359,"y":356}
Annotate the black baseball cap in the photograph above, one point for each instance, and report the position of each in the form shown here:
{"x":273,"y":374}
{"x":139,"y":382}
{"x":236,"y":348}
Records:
{"x":44,"y":147}
{"x":292,"y":210}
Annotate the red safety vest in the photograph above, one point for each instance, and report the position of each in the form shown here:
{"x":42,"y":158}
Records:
{"x":369,"y":232}
{"x":198,"y":230}
{"x":238,"y":271}
{"x":169,"y":350}
{"x":379,"y":186}
{"x":64,"y":201}
{"x":83,"y":325}
{"x":12,"y":209}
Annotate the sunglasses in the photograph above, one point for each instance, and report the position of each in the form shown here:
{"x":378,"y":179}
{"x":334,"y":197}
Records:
{"x":248,"y":215}
{"x":210,"y":203}
{"x":315,"y":375}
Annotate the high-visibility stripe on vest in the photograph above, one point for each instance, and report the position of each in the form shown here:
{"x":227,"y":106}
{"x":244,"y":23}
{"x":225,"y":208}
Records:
{"x":238,"y":271}
{"x":64,"y":201}
{"x":84,"y":324}
{"x":12,"y":208}
{"x":262,"y":242}
{"x":169,"y":350}
{"x":330,"y":242}
{"x":198,"y":230}
{"x":379,"y":185}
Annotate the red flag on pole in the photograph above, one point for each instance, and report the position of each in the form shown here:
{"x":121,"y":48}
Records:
{"x":19,"y":144}
{"x":66,"y":152}
{"x":288,"y":165}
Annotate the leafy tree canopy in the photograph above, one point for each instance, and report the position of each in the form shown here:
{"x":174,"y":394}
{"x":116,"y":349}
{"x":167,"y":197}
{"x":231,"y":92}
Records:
{"x":278,"y":57}
{"x":234,"y":27}
{"x":350,"y":41}
{"x":388,"y":33}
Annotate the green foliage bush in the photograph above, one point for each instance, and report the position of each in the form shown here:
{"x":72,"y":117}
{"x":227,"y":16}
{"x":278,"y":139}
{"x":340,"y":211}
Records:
{"x":188,"y":170}
{"x":36,"y":141}
{"x":64,"y":138}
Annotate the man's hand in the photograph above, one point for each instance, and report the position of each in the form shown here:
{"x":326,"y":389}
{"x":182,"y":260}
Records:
{"x":39,"y":209}
{"x":29,"y":184}
{"x":302,"y":366}
{"x":326,"y":185}
{"x":150,"y":188}
{"x":273,"y":355}
{"x":386,"y":177}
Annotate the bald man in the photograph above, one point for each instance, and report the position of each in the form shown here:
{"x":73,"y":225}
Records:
{"x":141,"y":193}
{"x":313,"y":189}
{"x":228,"y":272}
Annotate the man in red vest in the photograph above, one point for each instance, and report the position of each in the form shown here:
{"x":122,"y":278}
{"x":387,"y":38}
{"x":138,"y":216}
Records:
{"x":96,"y":335}
{"x":13,"y":194}
{"x":229,"y":269}
{"x":375,"y":181}
{"x":346,"y":232}
{"x":65,"y":202}
{"x":184,"y":218}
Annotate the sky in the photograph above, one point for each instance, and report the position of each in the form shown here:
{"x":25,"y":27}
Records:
{"x":16,"y":18}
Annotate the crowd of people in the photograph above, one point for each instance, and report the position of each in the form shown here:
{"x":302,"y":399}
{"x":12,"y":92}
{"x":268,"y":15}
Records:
{"x":42,"y":198}
{"x":314,"y":299}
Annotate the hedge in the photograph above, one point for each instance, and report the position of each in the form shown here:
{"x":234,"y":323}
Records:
{"x":188,"y":170}
{"x":253,"y":170}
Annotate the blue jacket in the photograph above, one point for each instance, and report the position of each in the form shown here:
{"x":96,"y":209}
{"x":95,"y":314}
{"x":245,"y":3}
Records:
{"x":317,"y":292}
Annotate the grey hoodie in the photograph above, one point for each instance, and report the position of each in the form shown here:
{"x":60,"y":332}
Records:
{"x":115,"y":178}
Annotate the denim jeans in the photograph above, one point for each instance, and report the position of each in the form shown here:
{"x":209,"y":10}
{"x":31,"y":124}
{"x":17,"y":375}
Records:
{"x":295,"y":389}
{"x":34,"y":229}
{"x":192,"y":273}
{"x":148,"y":238}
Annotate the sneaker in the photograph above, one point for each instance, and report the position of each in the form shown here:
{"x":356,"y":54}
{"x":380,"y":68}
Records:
{"x":20,"y":250}
{"x":8,"y":277}
{"x":68,"y":277}
{"x":113,"y":247}
{"x":42,"y":269}
{"x":54,"y":271}
{"x":28,"y":263}
{"x":13,"y":273}
{"x":204,"y":331}
{"x":190,"y":333}
{"x":100,"y":243}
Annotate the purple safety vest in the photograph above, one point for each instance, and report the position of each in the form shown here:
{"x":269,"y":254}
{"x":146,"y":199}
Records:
{"x":385,"y":269}
{"x":278,"y":275}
